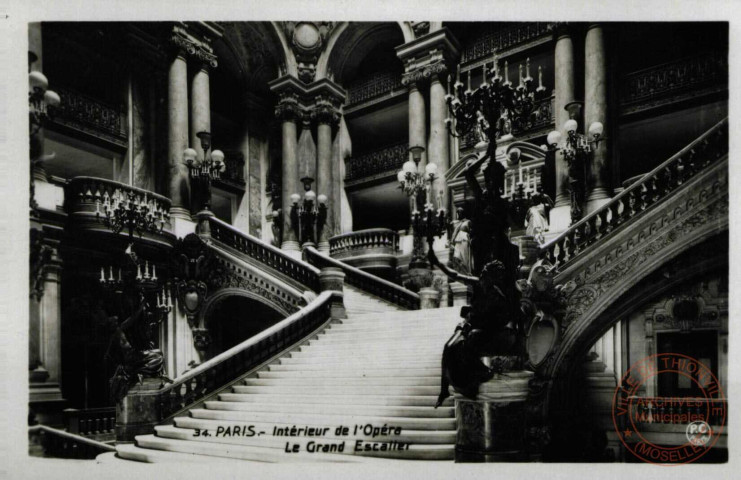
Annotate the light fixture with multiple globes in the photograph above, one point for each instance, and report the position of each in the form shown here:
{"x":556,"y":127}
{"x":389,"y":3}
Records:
{"x":308,"y":217}
{"x":204,"y":171}
{"x":577,"y":150}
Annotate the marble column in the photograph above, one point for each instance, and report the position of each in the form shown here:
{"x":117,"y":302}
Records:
{"x":200,"y":107}
{"x":417,"y":118}
{"x":287,"y":112}
{"x":560,"y":215}
{"x":177,"y":137}
{"x":324,"y":175}
{"x":595,"y":110}
{"x":439,"y":148}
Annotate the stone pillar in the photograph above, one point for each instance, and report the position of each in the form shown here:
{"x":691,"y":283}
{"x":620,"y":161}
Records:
{"x":200,"y":107}
{"x":324,"y":176}
{"x":595,"y":110}
{"x":177,"y":110}
{"x":287,"y":112}
{"x":439,"y":147}
{"x":429,"y":297}
{"x":560,"y":215}
{"x":417,"y":118}
{"x":460,"y":293}
{"x":331,"y":278}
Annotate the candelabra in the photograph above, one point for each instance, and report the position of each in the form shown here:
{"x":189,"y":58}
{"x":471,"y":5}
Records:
{"x":41,"y":105}
{"x":204,"y":171}
{"x":132,"y":211}
{"x":577,"y":150}
{"x":495,"y":100}
{"x":308,"y":217}
{"x":428,"y":222}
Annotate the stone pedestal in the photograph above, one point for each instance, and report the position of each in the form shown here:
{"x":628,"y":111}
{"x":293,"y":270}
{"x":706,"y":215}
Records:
{"x":460,"y":294}
{"x":429,"y":298}
{"x":331,"y":278}
{"x":492,"y":427}
{"x":139,"y":411}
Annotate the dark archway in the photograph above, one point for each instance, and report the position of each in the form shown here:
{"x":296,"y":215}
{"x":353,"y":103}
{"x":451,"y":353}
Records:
{"x":235,"y":318}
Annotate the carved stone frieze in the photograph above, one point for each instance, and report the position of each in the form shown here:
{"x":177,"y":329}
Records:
{"x":418,"y":72}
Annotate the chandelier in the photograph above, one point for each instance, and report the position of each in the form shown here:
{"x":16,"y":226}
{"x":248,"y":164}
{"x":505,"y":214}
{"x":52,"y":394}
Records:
{"x":132,"y":211}
{"x":202,"y":172}
{"x":308,"y":217}
{"x":577,"y":150}
{"x":493,"y":102}
{"x":427,"y":221}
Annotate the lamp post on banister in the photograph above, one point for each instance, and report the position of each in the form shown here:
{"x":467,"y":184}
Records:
{"x":577,"y":150}
{"x":308,"y":217}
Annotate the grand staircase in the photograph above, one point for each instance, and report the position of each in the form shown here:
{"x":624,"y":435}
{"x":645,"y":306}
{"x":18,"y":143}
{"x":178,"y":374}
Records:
{"x":376,"y":373}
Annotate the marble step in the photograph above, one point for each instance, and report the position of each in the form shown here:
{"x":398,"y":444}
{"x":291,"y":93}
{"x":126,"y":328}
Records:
{"x":324,"y":420}
{"x":342,"y":390}
{"x":366,"y":359}
{"x":329,"y":364}
{"x":345,"y":381}
{"x":335,"y":409}
{"x":351,"y":373}
{"x":130,"y":451}
{"x":390,"y":400}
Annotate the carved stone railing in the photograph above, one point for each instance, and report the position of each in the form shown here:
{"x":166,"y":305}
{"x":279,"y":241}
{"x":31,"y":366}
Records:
{"x":660,"y":410}
{"x":83,"y":198}
{"x":267,"y":255}
{"x":373,"y":86}
{"x":656,"y":185}
{"x":60,"y":444}
{"x":671,"y":81}
{"x":223,"y":370}
{"x":385,"y":160}
{"x":92,"y":116}
{"x":91,"y":422}
{"x":372,"y":250}
{"x":367,"y":282}
{"x":503,"y":36}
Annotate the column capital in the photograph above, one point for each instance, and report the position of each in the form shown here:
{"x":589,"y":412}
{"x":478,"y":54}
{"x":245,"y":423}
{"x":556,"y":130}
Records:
{"x":428,"y":56}
{"x":288,"y":109}
{"x":187,"y":45}
{"x":326,"y":110}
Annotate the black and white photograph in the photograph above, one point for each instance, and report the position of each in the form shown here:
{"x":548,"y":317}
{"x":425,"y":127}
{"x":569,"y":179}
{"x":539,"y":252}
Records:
{"x":382,"y":242}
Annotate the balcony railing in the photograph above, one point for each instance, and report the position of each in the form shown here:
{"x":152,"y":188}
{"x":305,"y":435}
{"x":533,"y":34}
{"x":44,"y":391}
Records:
{"x":647,"y":87}
{"x":386,"y":160}
{"x":371,"y":239}
{"x":265,"y":254}
{"x":92,"y":116}
{"x":373,"y":86}
{"x":504,"y":36}
{"x":83,"y":195}
{"x":367,"y":282}
{"x":91,"y":422}
{"x":641,"y":195}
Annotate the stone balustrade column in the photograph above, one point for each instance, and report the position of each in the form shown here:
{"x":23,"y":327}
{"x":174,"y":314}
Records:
{"x":177,"y":135}
{"x":287,"y":112}
{"x":439,"y":145}
{"x":560,"y":215}
{"x":595,"y":110}
{"x":326,"y":116}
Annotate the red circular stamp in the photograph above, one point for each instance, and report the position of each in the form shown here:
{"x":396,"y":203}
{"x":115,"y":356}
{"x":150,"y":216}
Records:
{"x":669,"y":430}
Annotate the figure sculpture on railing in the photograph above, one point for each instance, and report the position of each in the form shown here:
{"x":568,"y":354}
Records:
{"x":460,"y":245}
{"x":536,"y":220}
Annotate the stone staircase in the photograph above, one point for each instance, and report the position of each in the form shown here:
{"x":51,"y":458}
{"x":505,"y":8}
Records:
{"x":378,"y":368}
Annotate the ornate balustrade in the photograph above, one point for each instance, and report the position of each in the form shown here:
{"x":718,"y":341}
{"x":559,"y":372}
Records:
{"x":504,"y":36}
{"x":372,"y":250}
{"x":60,"y":444}
{"x":93,"y":422}
{"x":672,"y":81}
{"x":655,"y":186}
{"x":265,"y":254}
{"x":373,"y":86}
{"x":233,"y":169}
{"x":367,"y":282}
{"x":84,"y":197}
{"x":90,"y":115}
{"x":386,"y":160}
{"x":660,"y":410}
{"x":223,"y":370}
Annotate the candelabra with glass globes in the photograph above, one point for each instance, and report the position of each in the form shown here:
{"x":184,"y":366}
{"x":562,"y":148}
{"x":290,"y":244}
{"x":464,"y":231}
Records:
{"x":427,"y":221}
{"x":204,"y":171}
{"x":308,"y":216}
{"x":131,"y":211}
{"x":577,"y":150}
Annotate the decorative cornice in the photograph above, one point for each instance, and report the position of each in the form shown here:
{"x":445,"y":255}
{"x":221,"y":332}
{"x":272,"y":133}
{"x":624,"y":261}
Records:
{"x":424,"y":73}
{"x":299,"y":98}
{"x":200,"y":50}
{"x":427,"y":56}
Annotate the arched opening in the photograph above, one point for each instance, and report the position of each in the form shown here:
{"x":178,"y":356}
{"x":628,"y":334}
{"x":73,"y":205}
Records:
{"x":236,"y":318}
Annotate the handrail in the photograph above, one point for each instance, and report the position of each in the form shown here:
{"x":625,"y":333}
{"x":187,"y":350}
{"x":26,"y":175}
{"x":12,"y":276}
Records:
{"x":649,"y":190}
{"x":69,"y":445}
{"x":370,"y":238}
{"x":154,"y":196}
{"x":229,"y":365}
{"x":266,"y":254}
{"x":370,"y":283}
